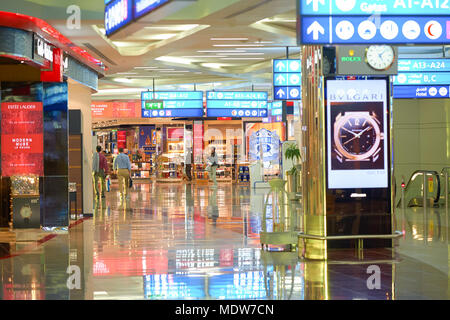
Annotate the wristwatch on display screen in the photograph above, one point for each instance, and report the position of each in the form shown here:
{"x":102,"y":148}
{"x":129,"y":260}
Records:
{"x":357,"y":136}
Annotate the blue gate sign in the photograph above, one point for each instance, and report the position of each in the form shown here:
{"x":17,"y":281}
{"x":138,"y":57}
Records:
{"x":425,"y":78}
{"x":269,"y":141}
{"x":423,"y":65}
{"x":237,"y":104}
{"x":369,"y":7}
{"x":142,"y":7}
{"x":422,"y":92}
{"x":118,"y":13}
{"x":175,"y":104}
{"x":287,"y":79}
{"x":375,"y":30}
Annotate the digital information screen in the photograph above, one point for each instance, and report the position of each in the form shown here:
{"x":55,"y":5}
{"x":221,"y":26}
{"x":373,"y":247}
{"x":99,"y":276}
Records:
{"x":237,"y":104}
{"x":172,"y":104}
{"x":357,"y":129}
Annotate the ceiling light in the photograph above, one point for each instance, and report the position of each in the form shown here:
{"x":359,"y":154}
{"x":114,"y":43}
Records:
{"x":126,"y":73}
{"x":162,"y":36}
{"x":218,"y":56}
{"x":242,"y":58}
{"x":238,"y":45}
{"x":146,"y":67}
{"x":174,"y":60}
{"x":212,"y":65}
{"x":229,"y":39}
{"x":245,"y":54}
{"x":179,"y":71}
{"x":123,"y":80}
{"x":220,"y":51}
{"x":182,"y":27}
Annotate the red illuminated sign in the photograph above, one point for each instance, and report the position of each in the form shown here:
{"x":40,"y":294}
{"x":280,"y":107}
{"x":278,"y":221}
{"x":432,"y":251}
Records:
{"x":22,"y":138}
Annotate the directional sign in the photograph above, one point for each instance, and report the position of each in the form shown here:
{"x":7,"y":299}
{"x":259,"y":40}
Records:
{"x":170,"y":104}
{"x":422,"y":92}
{"x":287,"y":78}
{"x":237,"y":104}
{"x":142,"y":7}
{"x":426,"y":78}
{"x":369,"y":7}
{"x":374,"y":30}
{"x":424,"y":65}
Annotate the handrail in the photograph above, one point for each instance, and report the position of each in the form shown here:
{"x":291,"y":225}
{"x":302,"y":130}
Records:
{"x":424,"y":172}
{"x":396,"y":234}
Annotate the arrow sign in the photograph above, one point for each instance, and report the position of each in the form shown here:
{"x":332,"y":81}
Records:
{"x":315,"y":4}
{"x":281,"y":93}
{"x":280,"y":66}
{"x":315,"y":28}
{"x":281,"y":79}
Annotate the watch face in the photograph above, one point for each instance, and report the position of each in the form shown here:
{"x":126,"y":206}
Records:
{"x":380,"y":57}
{"x":25,"y":211}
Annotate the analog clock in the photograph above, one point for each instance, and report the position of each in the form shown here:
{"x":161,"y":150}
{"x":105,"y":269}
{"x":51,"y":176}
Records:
{"x":380,"y":57}
{"x":25,"y":211}
{"x":357,"y":136}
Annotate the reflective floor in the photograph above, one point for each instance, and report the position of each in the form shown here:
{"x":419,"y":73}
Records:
{"x":178,"y":241}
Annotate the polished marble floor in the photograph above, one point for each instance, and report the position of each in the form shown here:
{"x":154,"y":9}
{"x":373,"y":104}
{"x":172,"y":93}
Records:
{"x":182,"y":241}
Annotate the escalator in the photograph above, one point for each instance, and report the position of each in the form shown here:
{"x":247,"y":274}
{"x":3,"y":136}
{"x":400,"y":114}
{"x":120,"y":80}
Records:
{"x":414,"y":190}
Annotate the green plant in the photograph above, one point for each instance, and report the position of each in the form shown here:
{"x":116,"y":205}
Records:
{"x":293,"y":153}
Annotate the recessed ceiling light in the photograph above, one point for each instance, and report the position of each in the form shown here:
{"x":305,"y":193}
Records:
{"x":238,"y":45}
{"x":123,"y":80}
{"x":219,"y":51}
{"x":218,"y":56}
{"x":146,"y":67}
{"x":174,"y":59}
{"x":242,"y":58}
{"x":245,"y":54}
{"x":126,"y":73}
{"x":229,"y":39}
{"x":175,"y":71}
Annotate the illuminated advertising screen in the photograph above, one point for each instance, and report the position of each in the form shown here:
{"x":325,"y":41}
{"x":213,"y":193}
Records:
{"x":237,"y":104}
{"x":22,"y":138}
{"x":171,"y":104}
{"x":357,"y":131}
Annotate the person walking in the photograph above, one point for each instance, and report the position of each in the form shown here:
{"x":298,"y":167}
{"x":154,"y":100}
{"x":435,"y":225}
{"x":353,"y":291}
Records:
{"x":99,"y":172}
{"x":213,"y":163}
{"x":122,"y":167}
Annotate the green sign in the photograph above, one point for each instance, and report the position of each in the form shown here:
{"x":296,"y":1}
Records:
{"x":154,"y":105}
{"x":351,"y":59}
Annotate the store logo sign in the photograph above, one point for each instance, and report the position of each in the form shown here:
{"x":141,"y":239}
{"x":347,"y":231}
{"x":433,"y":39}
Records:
{"x":117,"y":14}
{"x":355,"y":95}
{"x":43,"y":49}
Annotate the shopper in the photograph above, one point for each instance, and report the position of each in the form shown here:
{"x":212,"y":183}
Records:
{"x":213,"y":163}
{"x":99,"y":172}
{"x":122,"y":168}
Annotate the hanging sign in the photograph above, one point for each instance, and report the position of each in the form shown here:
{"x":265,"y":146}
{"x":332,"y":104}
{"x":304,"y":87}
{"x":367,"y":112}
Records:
{"x":236,"y":104}
{"x":171,"y":104}
{"x":287,"y":79}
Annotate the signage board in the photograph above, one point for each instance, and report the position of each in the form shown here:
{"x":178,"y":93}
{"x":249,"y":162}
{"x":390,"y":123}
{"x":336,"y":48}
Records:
{"x":22,"y":140}
{"x":171,"y":104}
{"x":423,"y":65}
{"x":266,"y":141}
{"x":422,"y":92}
{"x":118,"y":13}
{"x":143,"y":7}
{"x":374,"y":30}
{"x":370,"y":7}
{"x":237,"y":104}
{"x":287,"y":79}
{"x":357,"y":134}
{"x":424,"y":78}
{"x":352,"y":60}
{"x":43,"y":51}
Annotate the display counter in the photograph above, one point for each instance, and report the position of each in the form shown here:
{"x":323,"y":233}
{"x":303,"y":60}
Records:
{"x":168,"y":167}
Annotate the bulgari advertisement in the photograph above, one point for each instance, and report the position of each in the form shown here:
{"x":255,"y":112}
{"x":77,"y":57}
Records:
{"x":357,"y":127}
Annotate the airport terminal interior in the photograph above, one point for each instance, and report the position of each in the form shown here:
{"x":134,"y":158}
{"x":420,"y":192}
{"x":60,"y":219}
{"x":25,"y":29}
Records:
{"x":224,"y":150}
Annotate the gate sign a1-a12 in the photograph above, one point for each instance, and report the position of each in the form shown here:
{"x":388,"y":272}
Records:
{"x":171,"y":104}
{"x":287,"y":79}
{"x":369,"y":7}
{"x":374,"y":22}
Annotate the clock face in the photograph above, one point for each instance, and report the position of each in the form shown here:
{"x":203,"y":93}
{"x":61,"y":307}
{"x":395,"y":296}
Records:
{"x":25,"y":212}
{"x":380,"y":57}
{"x":357,"y":135}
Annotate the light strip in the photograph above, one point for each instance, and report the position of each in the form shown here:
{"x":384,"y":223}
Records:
{"x":238,"y":45}
{"x":218,"y":56}
{"x":220,"y":51}
{"x":229,"y":39}
{"x":146,"y":67}
{"x":244,"y":54}
{"x":242,"y":58}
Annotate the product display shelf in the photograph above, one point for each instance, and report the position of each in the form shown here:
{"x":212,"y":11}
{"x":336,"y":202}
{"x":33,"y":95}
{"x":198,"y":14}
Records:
{"x":142,"y":170}
{"x":169,"y":169}
{"x":243,"y":173}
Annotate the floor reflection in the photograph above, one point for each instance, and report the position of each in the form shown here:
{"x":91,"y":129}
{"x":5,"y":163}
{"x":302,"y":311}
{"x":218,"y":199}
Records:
{"x":183,"y":241}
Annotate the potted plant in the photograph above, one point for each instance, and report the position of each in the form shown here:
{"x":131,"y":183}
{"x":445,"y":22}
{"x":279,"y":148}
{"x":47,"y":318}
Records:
{"x":293,"y":153}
